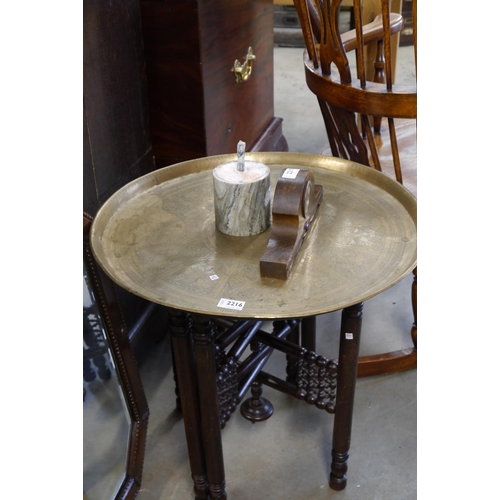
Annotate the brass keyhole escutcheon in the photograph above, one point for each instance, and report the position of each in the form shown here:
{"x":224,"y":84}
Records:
{"x":243,"y":71}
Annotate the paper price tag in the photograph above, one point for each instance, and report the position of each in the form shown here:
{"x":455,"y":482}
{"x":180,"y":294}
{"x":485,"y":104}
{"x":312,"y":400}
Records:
{"x":290,"y":173}
{"x":237,"y":305}
{"x":349,"y":336}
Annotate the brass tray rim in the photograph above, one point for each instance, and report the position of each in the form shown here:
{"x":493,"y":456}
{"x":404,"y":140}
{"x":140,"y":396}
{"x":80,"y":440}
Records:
{"x":147,"y":181}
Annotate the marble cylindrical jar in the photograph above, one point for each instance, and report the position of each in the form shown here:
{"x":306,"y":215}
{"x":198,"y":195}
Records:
{"x":242,"y":200}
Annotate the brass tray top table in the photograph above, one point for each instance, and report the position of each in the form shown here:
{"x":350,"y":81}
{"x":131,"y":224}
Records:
{"x":156,"y":238}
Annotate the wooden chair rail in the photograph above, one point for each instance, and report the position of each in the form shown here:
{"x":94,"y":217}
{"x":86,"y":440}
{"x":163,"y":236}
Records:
{"x":374,"y":99}
{"x":372,"y":32}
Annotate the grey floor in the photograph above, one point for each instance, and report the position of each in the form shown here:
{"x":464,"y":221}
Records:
{"x":288,"y":456}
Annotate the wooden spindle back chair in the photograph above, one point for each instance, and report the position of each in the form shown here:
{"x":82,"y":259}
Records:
{"x":358,"y":103}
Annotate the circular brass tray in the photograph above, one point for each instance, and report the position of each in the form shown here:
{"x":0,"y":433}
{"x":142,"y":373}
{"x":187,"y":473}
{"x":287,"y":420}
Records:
{"x":156,"y":237}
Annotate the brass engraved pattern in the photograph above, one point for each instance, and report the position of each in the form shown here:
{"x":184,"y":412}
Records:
{"x":156,"y":237}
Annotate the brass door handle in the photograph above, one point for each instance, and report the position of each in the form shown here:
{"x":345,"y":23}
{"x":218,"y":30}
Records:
{"x":243,"y":71}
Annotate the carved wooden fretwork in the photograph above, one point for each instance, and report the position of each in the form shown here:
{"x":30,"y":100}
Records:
{"x":227,"y":389}
{"x":317,"y":381}
{"x":331,"y":46}
{"x":235,"y":375}
{"x":343,"y":133}
{"x":310,"y":377}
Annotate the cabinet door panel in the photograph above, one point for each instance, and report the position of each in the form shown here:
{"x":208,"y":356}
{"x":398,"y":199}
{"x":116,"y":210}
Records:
{"x":173,"y":69}
{"x":236,"y":111}
{"x":197,"y":108}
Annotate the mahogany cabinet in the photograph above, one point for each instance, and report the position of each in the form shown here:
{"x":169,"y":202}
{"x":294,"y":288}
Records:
{"x":116,"y":137}
{"x":196,"y":106}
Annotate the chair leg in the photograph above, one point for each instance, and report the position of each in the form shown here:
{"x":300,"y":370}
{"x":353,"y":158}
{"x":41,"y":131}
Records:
{"x":350,"y":334}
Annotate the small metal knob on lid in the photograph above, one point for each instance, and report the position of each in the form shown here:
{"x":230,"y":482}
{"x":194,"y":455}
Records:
{"x":242,"y":196}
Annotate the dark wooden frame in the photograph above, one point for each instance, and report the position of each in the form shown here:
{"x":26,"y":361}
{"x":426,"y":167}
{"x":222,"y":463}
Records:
{"x":126,"y":367}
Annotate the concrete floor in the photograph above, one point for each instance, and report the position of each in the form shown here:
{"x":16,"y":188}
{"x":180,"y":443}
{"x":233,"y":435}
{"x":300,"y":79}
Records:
{"x":288,"y":456}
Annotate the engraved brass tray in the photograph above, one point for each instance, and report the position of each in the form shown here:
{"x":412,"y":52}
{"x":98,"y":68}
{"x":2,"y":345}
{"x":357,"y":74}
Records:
{"x":156,"y":238}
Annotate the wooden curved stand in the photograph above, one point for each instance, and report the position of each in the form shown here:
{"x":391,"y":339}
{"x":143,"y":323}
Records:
{"x":296,"y":200}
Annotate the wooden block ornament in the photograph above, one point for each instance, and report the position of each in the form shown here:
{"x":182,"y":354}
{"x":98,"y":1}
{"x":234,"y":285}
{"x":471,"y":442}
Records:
{"x":296,"y":199}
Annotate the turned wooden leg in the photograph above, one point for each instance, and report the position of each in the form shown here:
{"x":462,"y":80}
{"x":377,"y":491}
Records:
{"x":203,"y":335}
{"x":256,"y":408}
{"x":350,"y":333}
{"x":414,"y":304}
{"x":291,"y":360}
{"x":309,"y":333}
{"x":188,"y":394}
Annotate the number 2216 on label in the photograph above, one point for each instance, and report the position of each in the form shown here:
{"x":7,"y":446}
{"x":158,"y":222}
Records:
{"x":231,"y":304}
